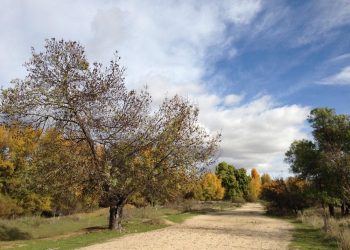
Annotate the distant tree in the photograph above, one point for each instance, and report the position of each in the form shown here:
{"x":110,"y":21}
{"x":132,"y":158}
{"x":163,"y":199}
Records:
{"x":226,"y":173}
{"x":265,"y":179}
{"x":255,"y":185}
{"x":211,"y":187}
{"x":243,"y":182}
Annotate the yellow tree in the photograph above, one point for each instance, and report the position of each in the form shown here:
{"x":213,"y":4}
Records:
{"x":255,"y":185}
{"x":265,"y":179}
{"x":211,"y":187}
{"x":17,"y":152}
{"x":55,"y":159}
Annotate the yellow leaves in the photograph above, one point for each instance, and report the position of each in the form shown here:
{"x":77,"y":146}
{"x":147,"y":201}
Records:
{"x":265,"y":179}
{"x":211,"y":187}
{"x":16,"y":146}
{"x":297,"y":183}
{"x":255,"y":185}
{"x":255,"y":173}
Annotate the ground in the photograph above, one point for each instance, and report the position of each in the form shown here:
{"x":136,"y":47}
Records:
{"x":243,"y":228}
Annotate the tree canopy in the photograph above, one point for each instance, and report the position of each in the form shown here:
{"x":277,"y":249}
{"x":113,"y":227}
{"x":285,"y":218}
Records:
{"x":128,"y":145}
{"x":325,"y":161}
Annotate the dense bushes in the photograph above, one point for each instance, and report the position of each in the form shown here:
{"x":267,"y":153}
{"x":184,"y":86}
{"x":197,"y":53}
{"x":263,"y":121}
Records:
{"x":286,"y":196}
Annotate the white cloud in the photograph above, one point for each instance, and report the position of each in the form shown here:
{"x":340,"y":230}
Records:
{"x":318,"y":22}
{"x":341,"y":78}
{"x":341,"y":57}
{"x":233,"y":99}
{"x":258,"y":133}
{"x":168,"y":46}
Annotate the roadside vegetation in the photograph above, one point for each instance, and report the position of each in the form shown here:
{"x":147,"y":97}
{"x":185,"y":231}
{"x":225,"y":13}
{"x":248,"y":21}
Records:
{"x":82,"y":229}
{"x":318,"y":194}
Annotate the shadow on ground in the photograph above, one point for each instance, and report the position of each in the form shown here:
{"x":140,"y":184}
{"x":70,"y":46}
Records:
{"x":13,"y":233}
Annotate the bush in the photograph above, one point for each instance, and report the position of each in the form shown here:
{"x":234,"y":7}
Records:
{"x":286,"y":196}
{"x":238,"y":199}
{"x":8,"y":207}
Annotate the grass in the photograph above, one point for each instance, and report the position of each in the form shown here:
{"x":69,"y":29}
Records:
{"x":37,"y":227}
{"x":307,"y":237}
{"x":75,"y":241}
{"x":308,"y":233}
{"x":80,"y":230}
{"x":338,"y":227}
{"x":70,"y":232}
{"x":180,"y":217}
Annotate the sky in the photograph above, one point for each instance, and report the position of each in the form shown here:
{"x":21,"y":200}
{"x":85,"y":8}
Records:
{"x":254,"y":68}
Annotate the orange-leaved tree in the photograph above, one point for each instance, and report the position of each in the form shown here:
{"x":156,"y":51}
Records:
{"x":255,"y":185}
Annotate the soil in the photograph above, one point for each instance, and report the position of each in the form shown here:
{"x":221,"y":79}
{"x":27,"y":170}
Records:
{"x":244,"y":228}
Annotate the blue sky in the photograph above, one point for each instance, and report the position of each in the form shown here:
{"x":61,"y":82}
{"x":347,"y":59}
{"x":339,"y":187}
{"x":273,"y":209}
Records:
{"x":254,"y":68}
{"x":278,"y":61}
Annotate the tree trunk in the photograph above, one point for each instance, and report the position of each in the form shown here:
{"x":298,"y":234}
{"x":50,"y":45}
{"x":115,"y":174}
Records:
{"x":343,"y":209}
{"x":331,"y":210}
{"x":115,"y":216}
{"x":347,"y":208}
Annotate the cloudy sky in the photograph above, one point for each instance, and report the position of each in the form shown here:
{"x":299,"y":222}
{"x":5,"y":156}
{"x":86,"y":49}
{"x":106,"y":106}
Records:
{"x":255,"y":68}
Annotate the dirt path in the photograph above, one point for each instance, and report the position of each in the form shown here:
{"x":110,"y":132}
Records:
{"x":243,"y":228}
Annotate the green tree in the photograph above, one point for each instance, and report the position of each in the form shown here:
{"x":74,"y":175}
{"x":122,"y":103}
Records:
{"x":226,"y":173}
{"x":325,"y":161}
{"x":243,"y":182}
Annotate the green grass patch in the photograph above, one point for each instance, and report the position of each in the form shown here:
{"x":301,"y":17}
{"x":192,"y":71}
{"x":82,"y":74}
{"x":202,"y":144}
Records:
{"x":307,"y":237}
{"x":75,"y":241}
{"x":70,"y":232}
{"x":180,"y":217}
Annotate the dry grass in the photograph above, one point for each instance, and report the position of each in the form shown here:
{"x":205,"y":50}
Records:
{"x":338,"y":229}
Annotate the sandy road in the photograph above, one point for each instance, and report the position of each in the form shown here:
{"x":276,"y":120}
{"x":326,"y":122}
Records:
{"x":243,"y":228}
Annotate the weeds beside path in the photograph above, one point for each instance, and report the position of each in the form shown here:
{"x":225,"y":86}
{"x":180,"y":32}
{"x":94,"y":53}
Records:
{"x":71,"y":232}
{"x":306,"y":237}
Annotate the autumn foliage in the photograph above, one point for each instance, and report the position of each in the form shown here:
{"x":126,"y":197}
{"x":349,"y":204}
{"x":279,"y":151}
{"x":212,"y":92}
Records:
{"x":255,"y":185}
{"x":210,"y":188}
{"x":290,"y":195}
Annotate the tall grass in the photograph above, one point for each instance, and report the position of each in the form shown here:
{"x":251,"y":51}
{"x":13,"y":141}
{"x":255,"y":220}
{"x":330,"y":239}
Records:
{"x":338,"y":228}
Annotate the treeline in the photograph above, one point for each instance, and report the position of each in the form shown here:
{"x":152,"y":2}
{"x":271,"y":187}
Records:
{"x":74,"y":137}
{"x":35,"y":171}
{"x":321,"y":166}
{"x":230,"y":183}
{"x":44,"y":173}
